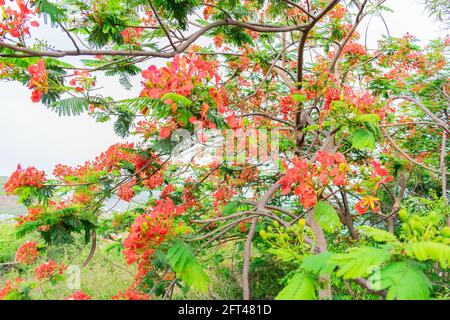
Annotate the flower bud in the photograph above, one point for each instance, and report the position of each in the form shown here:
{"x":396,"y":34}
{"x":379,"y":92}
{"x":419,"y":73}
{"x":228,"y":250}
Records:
{"x":301,"y":223}
{"x":263,"y":234}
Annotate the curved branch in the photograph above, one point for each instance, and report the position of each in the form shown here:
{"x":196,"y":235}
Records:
{"x":344,"y":42}
{"x":26,"y":52}
{"x":246,"y":266}
{"x":405,"y":155}
{"x":300,"y":8}
{"x":424,"y":109}
{"x":262,"y":114}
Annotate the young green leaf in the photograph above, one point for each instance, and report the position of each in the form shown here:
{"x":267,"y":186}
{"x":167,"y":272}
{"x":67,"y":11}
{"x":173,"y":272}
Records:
{"x":428,"y":250}
{"x":302,"y":286}
{"x":363,"y":138}
{"x":187,"y":268}
{"x":404,"y":281}
{"x":319,"y":264}
{"x":70,"y":106}
{"x":179,"y":99}
{"x":377,"y":234}
{"x":326,"y":216}
{"x":359,"y":262}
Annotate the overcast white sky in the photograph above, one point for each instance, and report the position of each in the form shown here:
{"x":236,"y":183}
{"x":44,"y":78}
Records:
{"x":32,"y":135}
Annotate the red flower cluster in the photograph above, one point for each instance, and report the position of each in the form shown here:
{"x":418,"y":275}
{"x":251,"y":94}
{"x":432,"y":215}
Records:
{"x":117,"y":154}
{"x":355,"y":49}
{"x":78,"y":295}
{"x":30,"y":177}
{"x":9,"y":288}
{"x":16,"y":23}
{"x":111,"y":159}
{"x":49,"y":269}
{"x":27,"y":253}
{"x":38,"y":81}
{"x":132,"y":35}
{"x":186,"y":75}
{"x":208,"y":11}
{"x":116,"y":158}
{"x":223,"y":195}
{"x":379,"y":176}
{"x":218,"y":40}
{"x":179,"y":76}
{"x":331,"y":95}
{"x":126,"y":191}
{"x":308,"y":177}
{"x":220,"y":97}
{"x":32,"y":215}
{"x":366,"y":203}
{"x":338,"y":12}
{"x":145,"y":128}
{"x":287,"y":103}
{"x":148,"y":231}
{"x":82,"y":80}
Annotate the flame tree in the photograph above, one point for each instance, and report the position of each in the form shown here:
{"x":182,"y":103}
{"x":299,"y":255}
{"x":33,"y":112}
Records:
{"x":354,"y":202}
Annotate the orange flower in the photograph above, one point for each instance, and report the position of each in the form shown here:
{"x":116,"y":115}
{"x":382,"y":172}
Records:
{"x":27,"y":253}
{"x":366,"y":203}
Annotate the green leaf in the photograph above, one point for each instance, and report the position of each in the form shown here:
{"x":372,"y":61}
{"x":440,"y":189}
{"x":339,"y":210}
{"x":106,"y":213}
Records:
{"x":70,"y":106}
{"x":178,"y":10}
{"x":88,"y":216}
{"x":362,"y":139}
{"x":326,"y":216}
{"x":124,"y":80}
{"x":404,"y":280}
{"x":58,"y":234}
{"x":135,"y":104}
{"x":319,"y":264}
{"x":371,"y":118}
{"x":428,"y":250}
{"x":187,"y":268}
{"x":52,"y":10}
{"x":377,"y":234}
{"x":26,"y":228}
{"x":298,"y":97}
{"x":230,"y":207}
{"x":300,"y":287}
{"x":178,"y":99}
{"x":283,"y":254}
{"x":359,"y":262}
{"x":123,"y":124}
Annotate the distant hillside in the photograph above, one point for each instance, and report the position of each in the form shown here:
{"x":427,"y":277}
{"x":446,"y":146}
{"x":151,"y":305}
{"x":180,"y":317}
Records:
{"x":8,"y":204}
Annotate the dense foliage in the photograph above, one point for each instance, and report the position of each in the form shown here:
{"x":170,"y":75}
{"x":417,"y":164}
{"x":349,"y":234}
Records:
{"x":350,"y":203}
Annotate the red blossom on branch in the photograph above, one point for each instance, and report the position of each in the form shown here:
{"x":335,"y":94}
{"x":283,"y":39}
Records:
{"x":16,"y":23}
{"x":27,"y":253}
{"x":49,"y":269}
{"x":30,"y":177}
{"x":308,"y":177}
{"x":366,"y":203}
{"x":9,"y":288}
{"x":38,"y":81}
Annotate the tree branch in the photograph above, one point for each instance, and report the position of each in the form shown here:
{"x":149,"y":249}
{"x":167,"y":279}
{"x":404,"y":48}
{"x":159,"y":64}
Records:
{"x":405,"y":155}
{"x":246,"y":266}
